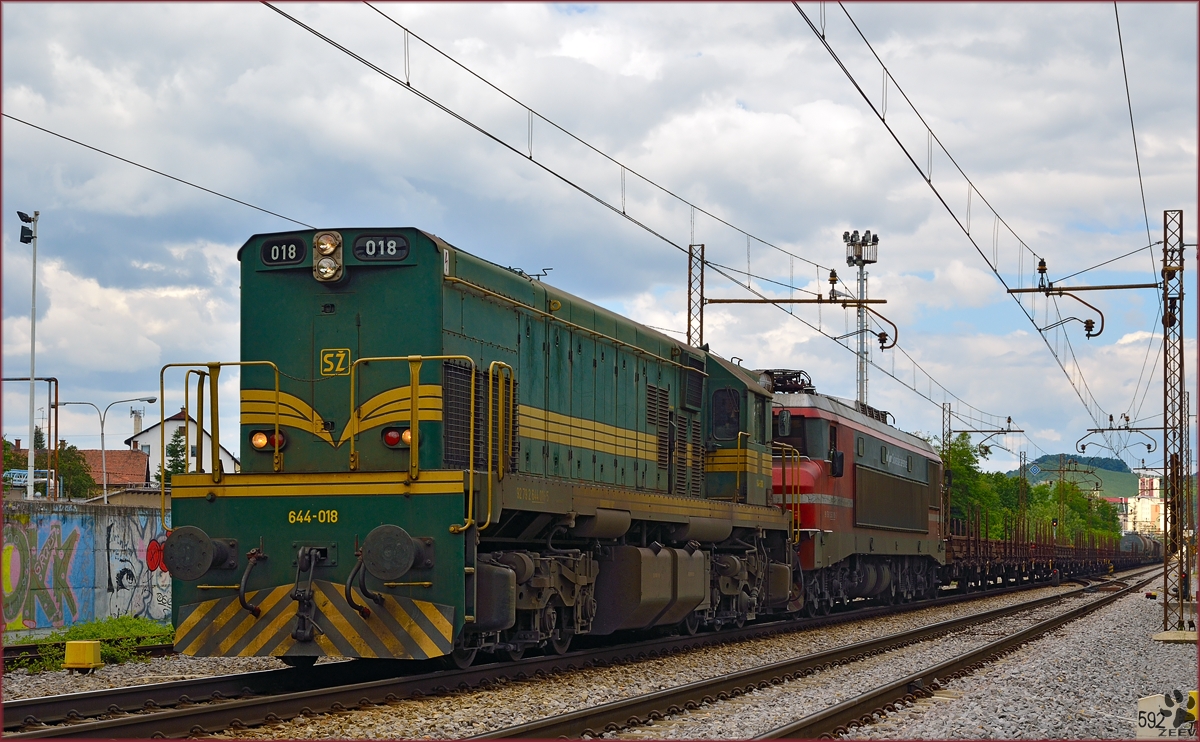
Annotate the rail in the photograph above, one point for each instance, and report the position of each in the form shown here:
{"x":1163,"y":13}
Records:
{"x":275,"y":694}
{"x":859,"y":710}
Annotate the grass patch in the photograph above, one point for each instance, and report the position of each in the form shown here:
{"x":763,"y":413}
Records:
{"x":119,"y":639}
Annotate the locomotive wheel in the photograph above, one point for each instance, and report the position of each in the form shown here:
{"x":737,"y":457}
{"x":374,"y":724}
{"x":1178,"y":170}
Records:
{"x":824,"y":606}
{"x":810,"y":608}
{"x":691,"y":624}
{"x":510,"y":655}
{"x":299,"y":661}
{"x":460,"y":658}
{"x":561,"y":643}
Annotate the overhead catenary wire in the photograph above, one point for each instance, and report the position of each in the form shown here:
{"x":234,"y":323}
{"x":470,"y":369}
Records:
{"x":1075,"y":374}
{"x":1106,"y":262}
{"x":156,"y":172}
{"x":567,"y":181}
{"x":625,"y":169}
{"x":1132,"y":129}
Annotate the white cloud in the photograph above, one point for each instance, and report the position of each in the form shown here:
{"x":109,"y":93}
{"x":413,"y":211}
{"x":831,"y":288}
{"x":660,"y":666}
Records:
{"x":735,"y":106}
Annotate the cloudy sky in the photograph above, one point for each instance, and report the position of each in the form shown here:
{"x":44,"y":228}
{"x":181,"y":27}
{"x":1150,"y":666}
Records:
{"x":739,"y":109}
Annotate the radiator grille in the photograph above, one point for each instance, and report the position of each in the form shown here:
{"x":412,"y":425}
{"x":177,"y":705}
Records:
{"x":681,"y":456}
{"x":884,"y":501}
{"x":456,"y":406}
{"x":658,"y":414}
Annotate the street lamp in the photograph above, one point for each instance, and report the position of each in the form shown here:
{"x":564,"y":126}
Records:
{"x":29,"y":236}
{"x":103,"y":458}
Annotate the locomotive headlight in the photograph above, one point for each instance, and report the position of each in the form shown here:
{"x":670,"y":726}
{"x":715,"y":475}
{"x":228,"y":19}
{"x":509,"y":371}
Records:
{"x":327,"y":268}
{"x":262,"y":440}
{"x":326,"y":243}
{"x":397,"y":437}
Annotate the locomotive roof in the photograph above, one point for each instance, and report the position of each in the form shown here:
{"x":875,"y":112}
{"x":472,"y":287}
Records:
{"x":835,"y":406}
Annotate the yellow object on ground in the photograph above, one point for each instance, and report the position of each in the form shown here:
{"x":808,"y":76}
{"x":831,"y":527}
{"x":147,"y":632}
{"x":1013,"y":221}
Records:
{"x":82,"y":655}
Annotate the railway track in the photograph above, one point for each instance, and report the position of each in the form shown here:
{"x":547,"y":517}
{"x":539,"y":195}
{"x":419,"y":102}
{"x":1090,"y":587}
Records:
{"x":206,"y":705}
{"x":634,"y":711}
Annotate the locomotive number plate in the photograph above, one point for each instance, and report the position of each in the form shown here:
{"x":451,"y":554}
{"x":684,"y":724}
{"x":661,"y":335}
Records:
{"x":308,"y":516}
{"x":335,"y":361}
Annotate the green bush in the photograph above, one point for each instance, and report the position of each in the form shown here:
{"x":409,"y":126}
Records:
{"x":119,"y":639}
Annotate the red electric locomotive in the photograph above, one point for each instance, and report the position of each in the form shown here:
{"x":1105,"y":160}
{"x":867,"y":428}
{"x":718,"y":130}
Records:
{"x":865,"y":498}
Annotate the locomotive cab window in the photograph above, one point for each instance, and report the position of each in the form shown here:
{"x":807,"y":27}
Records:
{"x":796,"y":436}
{"x":726,"y":414}
{"x":758,"y":418}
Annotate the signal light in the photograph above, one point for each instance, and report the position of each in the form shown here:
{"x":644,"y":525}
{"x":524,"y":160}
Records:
{"x":397,"y":437}
{"x":262,"y":440}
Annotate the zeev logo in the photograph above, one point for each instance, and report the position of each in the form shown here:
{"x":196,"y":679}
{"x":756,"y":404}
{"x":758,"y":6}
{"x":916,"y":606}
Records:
{"x":1169,"y":715}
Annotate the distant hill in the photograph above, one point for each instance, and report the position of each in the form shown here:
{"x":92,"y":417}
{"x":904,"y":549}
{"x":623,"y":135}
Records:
{"x":1114,"y":475}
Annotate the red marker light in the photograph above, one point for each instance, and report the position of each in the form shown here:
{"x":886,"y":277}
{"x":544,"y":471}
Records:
{"x":391,"y":437}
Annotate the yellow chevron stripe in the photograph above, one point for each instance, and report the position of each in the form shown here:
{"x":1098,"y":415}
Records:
{"x":391,"y":406}
{"x":284,"y":646}
{"x":395,"y":406}
{"x":250,"y":620}
{"x":436,"y":618}
{"x":416,"y":632}
{"x":193,"y":618}
{"x":384,"y":634}
{"x":337,"y":621}
{"x":323,"y":642}
{"x":258,"y":408}
{"x":271,"y":631}
{"x":216,"y":625}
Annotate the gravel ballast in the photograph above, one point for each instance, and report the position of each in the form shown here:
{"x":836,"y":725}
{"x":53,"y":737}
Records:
{"x":463,"y":714}
{"x":1082,"y":681}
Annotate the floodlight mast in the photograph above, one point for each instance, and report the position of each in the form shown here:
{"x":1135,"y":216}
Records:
{"x":861,"y":252}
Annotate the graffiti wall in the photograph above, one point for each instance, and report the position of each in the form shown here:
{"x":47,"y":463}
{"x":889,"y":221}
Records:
{"x":63,"y":563}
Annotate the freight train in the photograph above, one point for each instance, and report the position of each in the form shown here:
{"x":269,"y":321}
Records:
{"x":443,"y":456}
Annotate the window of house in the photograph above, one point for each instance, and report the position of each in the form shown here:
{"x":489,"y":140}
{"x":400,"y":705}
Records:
{"x":193,"y":451}
{"x":146,"y":449}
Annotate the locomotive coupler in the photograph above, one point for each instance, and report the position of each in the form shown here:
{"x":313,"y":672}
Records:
{"x":307,"y":559}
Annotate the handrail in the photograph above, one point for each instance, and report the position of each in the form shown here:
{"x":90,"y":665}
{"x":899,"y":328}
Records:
{"x":505,"y":430}
{"x":187,"y":403}
{"x":414,"y":380}
{"x":635,"y":349}
{"x":214,"y":368}
{"x":790,"y":454}
{"x":737,"y":467}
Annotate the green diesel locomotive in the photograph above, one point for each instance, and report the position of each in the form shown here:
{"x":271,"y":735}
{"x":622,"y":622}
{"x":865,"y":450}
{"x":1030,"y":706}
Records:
{"x":442,"y":456}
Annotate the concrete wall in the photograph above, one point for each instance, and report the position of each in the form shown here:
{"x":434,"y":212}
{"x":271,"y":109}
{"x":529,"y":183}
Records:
{"x":63,"y":563}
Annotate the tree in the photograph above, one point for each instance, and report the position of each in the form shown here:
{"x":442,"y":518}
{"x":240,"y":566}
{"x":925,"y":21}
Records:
{"x":994,"y":497}
{"x":176,"y":457}
{"x":11,"y":459}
